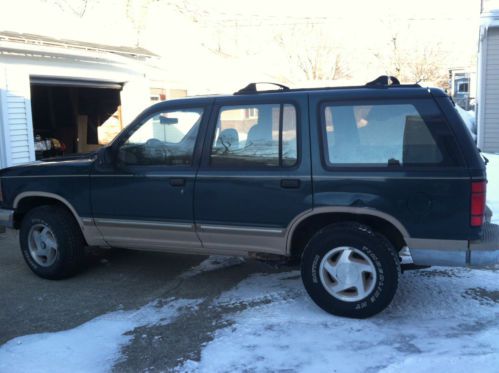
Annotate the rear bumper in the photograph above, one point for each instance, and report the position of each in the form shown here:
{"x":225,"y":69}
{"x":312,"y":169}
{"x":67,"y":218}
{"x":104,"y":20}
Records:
{"x":458,"y":253}
{"x":486,"y":251}
{"x":7,"y":218}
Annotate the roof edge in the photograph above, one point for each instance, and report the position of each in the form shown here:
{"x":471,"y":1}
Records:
{"x":45,"y":41}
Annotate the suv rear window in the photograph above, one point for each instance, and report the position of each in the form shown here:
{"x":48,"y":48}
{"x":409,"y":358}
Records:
{"x":255,"y":136}
{"x":379,"y":134}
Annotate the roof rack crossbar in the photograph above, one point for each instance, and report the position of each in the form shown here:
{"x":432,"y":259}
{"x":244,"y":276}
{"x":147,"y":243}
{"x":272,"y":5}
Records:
{"x":252,"y":88}
{"x":384,"y":81}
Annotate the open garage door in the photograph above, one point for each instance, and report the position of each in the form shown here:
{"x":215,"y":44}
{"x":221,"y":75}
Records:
{"x":72,"y":115}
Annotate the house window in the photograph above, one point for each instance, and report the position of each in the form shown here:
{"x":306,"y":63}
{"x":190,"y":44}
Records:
{"x":251,"y":113}
{"x":463,"y":88}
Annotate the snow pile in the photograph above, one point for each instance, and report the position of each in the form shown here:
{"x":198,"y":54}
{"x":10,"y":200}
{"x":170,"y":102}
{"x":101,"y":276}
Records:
{"x":91,"y":347}
{"x":493,"y":185}
{"x":469,"y":119}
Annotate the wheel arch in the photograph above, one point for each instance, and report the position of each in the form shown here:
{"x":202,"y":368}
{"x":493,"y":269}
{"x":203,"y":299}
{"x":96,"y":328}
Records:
{"x":307,"y":224}
{"x":28,"y":200}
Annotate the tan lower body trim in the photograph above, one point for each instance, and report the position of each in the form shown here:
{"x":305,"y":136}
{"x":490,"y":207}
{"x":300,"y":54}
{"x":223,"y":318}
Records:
{"x":242,"y":239}
{"x":91,"y":233}
{"x":148,"y":235}
{"x":183,"y":237}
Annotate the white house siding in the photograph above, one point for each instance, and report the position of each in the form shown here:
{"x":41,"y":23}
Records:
{"x":16,"y":117}
{"x":491,"y":93}
{"x":488,"y":89}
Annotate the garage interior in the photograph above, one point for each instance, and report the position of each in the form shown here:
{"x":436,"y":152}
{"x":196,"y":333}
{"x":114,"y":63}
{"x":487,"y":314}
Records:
{"x":82,"y":115}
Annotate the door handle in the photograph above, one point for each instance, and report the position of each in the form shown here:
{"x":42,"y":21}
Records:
{"x":290,"y":183}
{"x":177,"y":182}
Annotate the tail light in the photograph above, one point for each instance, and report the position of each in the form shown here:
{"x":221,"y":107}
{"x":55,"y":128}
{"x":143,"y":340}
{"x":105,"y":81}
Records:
{"x":477,"y":207}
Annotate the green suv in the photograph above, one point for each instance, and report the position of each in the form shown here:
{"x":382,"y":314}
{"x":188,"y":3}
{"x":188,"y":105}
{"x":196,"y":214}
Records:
{"x":339,"y":179}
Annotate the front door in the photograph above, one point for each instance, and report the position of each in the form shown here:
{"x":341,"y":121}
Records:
{"x":145,"y":200}
{"x":255,"y":175}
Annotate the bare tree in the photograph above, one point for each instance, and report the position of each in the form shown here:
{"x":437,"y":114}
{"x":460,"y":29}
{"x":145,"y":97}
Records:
{"x":414,"y":63}
{"x":136,"y":12}
{"x":312,"y":53}
{"x":77,"y":7}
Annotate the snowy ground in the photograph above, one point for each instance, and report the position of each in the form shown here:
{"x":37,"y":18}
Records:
{"x":441,"y":319}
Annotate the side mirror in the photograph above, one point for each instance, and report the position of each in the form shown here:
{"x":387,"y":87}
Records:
{"x":105,"y":156}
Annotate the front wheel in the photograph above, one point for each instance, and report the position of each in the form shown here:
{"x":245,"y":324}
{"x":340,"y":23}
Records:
{"x":51,"y":242}
{"x":348,"y":270}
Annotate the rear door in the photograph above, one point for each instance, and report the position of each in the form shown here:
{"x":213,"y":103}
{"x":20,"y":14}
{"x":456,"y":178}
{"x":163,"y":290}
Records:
{"x":255,"y":175}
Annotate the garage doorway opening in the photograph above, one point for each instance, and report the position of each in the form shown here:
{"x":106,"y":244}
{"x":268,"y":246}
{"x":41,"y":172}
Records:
{"x":74,"y":116}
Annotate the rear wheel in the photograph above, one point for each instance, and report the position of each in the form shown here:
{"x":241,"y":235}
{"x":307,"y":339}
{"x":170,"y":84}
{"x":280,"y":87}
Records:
{"x":51,"y":242}
{"x":349,"y":270}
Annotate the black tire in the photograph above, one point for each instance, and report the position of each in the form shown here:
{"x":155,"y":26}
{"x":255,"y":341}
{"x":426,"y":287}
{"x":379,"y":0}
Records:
{"x":376,"y":247}
{"x":70,"y":242}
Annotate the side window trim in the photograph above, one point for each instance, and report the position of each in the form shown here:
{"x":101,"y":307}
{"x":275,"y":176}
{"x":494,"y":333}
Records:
{"x":281,"y":127}
{"x":213,"y":125}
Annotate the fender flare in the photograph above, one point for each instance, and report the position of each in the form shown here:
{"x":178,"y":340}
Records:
{"x":339,"y":210}
{"x":57,"y":197}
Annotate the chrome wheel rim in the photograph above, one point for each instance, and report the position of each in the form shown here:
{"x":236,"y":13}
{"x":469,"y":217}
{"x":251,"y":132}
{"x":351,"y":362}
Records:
{"x":42,"y":245}
{"x":348,"y":274}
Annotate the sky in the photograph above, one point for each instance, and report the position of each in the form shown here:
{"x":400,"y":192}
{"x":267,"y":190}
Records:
{"x":62,"y":17}
{"x":188,"y":33}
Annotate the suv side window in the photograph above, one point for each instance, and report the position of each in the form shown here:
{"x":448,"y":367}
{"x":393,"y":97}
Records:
{"x":255,"y":136}
{"x":166,"y":138}
{"x":379,"y":134}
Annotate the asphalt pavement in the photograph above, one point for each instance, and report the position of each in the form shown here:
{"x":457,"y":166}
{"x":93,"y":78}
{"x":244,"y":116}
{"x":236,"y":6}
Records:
{"x":118,"y":280}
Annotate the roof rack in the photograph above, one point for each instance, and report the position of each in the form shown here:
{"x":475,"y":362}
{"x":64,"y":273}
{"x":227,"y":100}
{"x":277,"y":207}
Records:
{"x":252,"y":88}
{"x":383,"y":81}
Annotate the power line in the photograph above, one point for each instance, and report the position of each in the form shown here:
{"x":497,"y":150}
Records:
{"x":236,"y":23}
{"x":203,"y":15}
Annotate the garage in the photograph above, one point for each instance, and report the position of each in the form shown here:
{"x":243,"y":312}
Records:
{"x":64,"y":97}
{"x":73,"y":116}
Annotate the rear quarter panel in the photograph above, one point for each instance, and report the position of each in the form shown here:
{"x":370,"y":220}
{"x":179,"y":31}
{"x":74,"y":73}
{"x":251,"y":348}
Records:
{"x":429,"y":203}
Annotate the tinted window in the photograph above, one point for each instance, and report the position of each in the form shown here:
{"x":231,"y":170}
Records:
{"x":381,"y":135}
{"x":167,"y":138}
{"x":255,"y":136}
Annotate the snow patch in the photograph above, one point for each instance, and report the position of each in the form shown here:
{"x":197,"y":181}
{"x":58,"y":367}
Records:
{"x":250,"y":290}
{"x":212,"y":263}
{"x":91,"y":347}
